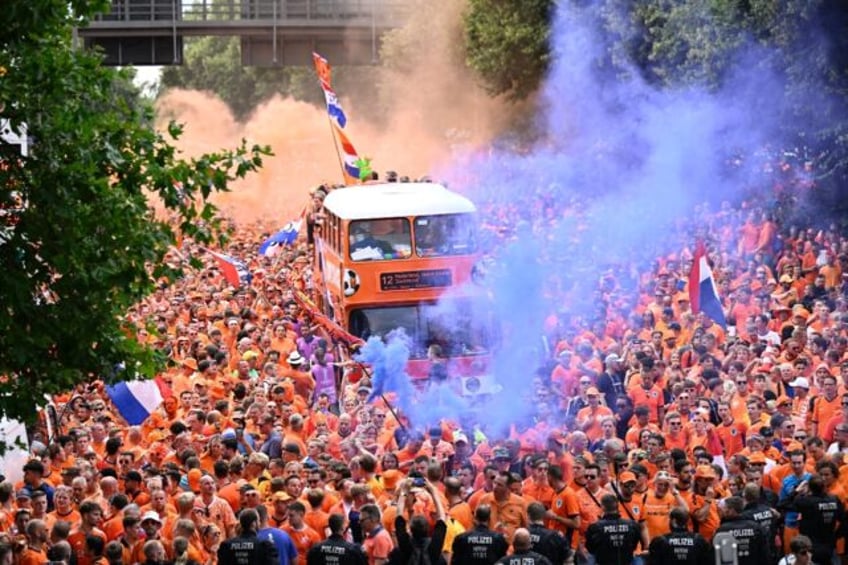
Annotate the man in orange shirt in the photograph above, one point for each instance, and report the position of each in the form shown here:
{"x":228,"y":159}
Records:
{"x":536,"y":486}
{"x":91,"y":515}
{"x":658,"y":503}
{"x":589,"y":499}
{"x":589,"y":418}
{"x":300,"y":533}
{"x":730,"y":432}
{"x":648,"y":394}
{"x":509,"y":511}
{"x":37,"y":537}
{"x":824,"y":406}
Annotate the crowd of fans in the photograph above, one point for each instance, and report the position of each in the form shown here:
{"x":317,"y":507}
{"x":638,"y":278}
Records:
{"x":655,"y":429}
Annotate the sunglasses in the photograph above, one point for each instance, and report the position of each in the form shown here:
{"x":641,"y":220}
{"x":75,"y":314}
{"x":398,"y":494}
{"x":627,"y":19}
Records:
{"x":591,"y":477}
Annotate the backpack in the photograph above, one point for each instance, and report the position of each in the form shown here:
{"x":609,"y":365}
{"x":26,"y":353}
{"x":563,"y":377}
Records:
{"x":420,"y":555}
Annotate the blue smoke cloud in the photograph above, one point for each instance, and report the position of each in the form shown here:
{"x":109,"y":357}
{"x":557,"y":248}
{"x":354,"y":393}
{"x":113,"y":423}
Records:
{"x":620,"y":163}
{"x":388,"y":367}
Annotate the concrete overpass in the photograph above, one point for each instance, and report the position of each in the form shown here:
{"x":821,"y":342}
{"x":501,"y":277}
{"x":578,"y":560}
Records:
{"x":272,"y":32}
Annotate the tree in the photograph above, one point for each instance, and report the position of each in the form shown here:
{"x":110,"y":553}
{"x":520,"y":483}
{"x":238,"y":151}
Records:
{"x":214,"y":64}
{"x":81,"y":244}
{"x":507,"y":44}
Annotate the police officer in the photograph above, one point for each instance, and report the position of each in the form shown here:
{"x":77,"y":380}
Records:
{"x":821,"y":516}
{"x":247,"y":548}
{"x":612,"y":540}
{"x":335,"y":549}
{"x":480,"y":545}
{"x":766,"y":516}
{"x":680,"y":546}
{"x":751,"y":542}
{"x":522,"y":554}
{"x":543,"y":540}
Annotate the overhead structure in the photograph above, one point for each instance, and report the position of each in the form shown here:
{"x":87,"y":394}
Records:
{"x":272,"y":32}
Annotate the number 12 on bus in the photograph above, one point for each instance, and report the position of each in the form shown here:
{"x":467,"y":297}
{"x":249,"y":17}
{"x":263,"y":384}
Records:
{"x":405,"y":255}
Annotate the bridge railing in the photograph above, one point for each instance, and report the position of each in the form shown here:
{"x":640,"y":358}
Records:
{"x":250,"y":10}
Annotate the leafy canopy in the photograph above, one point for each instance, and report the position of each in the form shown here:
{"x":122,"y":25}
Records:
{"x":79,"y":242}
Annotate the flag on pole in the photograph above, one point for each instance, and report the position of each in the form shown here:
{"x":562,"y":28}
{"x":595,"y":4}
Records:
{"x":338,"y":119}
{"x":334,"y":108}
{"x":322,"y":67}
{"x":350,"y":158}
{"x":286,"y":236}
{"x":703,"y":293}
{"x":235,"y":272}
{"x":136,"y":400}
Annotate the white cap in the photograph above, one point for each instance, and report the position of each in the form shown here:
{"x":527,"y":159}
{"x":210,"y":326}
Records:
{"x":800,"y":382}
{"x":151,"y":515}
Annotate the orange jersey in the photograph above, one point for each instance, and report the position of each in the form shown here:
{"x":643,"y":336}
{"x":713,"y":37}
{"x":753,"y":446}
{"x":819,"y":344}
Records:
{"x":732,"y":437}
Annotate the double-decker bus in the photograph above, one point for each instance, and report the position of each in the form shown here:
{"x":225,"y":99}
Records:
{"x":404,"y":256}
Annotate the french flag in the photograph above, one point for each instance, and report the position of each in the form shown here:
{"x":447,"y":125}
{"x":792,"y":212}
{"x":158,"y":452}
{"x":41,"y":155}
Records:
{"x":235,"y":272}
{"x":703,"y":293}
{"x":136,"y":400}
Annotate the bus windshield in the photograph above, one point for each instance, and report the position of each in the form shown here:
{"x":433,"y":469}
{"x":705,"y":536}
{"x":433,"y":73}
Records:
{"x":444,"y":235}
{"x":372,"y":240}
{"x":461,"y":327}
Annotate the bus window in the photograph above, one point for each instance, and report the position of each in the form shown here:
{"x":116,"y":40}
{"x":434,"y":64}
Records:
{"x":372,"y":240}
{"x":444,"y":235}
{"x":461,"y":327}
{"x":367,"y":322}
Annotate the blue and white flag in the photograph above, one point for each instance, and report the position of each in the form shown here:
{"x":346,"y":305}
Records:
{"x":136,"y":400}
{"x":286,"y":236}
{"x":334,"y":108}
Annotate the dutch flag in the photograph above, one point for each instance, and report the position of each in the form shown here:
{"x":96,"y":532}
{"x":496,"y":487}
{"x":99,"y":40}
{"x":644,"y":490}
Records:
{"x":235,"y":272}
{"x":703,"y":293}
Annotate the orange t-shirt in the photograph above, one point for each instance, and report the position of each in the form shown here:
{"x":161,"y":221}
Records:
{"x":77,"y":541}
{"x":732,"y":437}
{"x":303,"y":540}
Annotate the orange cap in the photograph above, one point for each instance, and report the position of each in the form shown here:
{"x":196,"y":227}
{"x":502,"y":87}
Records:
{"x":705,"y":472}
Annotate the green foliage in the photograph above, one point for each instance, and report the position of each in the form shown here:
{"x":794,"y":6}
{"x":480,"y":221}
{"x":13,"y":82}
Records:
{"x":507,"y":44}
{"x":214,"y":64}
{"x":79,"y":244}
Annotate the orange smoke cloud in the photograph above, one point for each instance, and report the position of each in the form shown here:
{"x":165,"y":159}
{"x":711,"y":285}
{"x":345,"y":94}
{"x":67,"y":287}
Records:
{"x":428,"y":98}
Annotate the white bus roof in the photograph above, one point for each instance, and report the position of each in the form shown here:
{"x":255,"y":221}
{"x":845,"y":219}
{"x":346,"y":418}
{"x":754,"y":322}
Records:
{"x":393,"y":200}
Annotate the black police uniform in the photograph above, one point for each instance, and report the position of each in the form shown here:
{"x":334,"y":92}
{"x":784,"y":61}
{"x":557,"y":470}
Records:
{"x":680,"y":546}
{"x":248,"y":550}
{"x":821,"y":517}
{"x":335,"y":550}
{"x":612,"y":540}
{"x":528,"y":557}
{"x":768,"y":520}
{"x":478,"y":546}
{"x":751,"y":542}
{"x":549,"y":543}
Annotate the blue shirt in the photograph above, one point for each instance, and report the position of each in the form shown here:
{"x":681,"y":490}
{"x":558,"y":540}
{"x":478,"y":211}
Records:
{"x":786,"y":488}
{"x":283,"y":542}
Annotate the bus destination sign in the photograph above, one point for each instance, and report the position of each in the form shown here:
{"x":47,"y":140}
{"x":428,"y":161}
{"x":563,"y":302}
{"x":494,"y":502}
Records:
{"x":411,"y":280}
